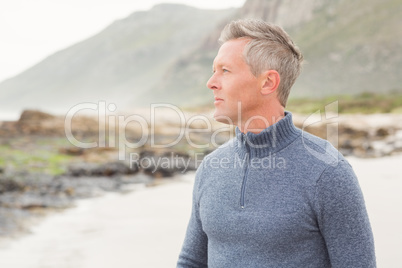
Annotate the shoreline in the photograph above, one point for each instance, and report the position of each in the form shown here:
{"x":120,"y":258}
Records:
{"x":112,"y":230}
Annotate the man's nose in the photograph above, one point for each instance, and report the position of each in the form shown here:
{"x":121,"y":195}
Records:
{"x":212,"y":83}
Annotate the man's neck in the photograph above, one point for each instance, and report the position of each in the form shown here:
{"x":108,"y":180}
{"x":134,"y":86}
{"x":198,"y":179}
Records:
{"x":258,"y":123}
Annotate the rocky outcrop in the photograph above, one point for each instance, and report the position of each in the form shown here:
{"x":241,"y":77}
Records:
{"x":91,"y":172}
{"x":25,"y":196}
{"x":287,"y":13}
{"x":359,"y":135}
{"x":108,"y":169}
{"x":39,"y":123}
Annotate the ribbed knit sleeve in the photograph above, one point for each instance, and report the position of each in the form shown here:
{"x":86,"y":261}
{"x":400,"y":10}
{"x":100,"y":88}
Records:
{"x":194,"y":251}
{"x":343,"y":219}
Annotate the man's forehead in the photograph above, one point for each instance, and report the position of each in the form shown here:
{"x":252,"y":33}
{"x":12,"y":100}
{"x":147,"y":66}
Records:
{"x":230,"y":51}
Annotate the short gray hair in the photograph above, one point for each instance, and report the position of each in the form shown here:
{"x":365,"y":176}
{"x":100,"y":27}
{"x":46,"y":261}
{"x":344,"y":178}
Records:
{"x":270,"y":48}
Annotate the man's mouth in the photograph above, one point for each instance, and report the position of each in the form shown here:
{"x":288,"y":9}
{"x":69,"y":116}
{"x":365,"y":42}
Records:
{"x":217,"y":101}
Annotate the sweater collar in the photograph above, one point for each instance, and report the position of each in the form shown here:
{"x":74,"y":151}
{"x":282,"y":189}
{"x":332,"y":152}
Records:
{"x":270,"y":140}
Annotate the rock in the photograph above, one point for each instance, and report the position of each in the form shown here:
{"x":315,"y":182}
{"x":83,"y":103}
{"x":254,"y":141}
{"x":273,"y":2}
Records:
{"x":10,"y":185}
{"x":115,"y":168}
{"x":80,"y":169}
{"x":8,"y":129}
{"x":34,"y":115}
{"x":98,"y":170}
{"x":165,"y":164}
{"x":74,"y":151}
{"x":34,"y":122}
{"x":382,"y":132}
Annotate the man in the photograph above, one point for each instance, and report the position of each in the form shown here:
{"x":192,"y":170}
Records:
{"x":273,"y":196}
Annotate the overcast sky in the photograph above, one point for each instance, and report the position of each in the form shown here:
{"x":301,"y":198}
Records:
{"x":31,"y":30}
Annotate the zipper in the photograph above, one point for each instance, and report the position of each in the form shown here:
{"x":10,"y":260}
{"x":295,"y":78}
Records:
{"x":243,"y":186}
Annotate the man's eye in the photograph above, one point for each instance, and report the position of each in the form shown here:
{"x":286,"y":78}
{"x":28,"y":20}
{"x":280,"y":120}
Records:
{"x":225,"y":70}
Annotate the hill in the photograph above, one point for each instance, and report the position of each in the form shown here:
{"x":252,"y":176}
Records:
{"x":119,"y":65}
{"x":350,"y":47}
{"x":165,"y":55}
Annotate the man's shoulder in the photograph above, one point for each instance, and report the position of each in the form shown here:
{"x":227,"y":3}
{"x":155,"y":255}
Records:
{"x":325,"y":163}
{"x":319,"y":149}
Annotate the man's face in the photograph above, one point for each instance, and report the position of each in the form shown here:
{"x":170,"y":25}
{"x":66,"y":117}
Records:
{"x":232,"y":83}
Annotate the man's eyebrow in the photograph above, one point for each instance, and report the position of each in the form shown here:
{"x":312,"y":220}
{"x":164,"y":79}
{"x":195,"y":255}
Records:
{"x":215,"y":64}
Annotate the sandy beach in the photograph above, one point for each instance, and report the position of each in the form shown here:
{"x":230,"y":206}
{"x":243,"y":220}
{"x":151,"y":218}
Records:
{"x":145,"y":228}
{"x":381,"y":183}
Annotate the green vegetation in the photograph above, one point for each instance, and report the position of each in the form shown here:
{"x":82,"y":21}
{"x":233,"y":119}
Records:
{"x":42,"y":156}
{"x":364,"y":103}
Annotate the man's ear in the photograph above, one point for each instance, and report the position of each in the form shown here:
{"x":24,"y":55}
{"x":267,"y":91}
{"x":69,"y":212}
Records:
{"x":270,"y":82}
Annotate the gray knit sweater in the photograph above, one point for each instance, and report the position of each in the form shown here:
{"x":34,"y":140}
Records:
{"x":280,"y":198}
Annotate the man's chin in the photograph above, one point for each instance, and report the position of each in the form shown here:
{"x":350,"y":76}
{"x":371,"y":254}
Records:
{"x":223,"y":119}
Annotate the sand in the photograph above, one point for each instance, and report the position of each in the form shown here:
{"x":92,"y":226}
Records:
{"x":381,"y":183}
{"x":145,"y":228}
